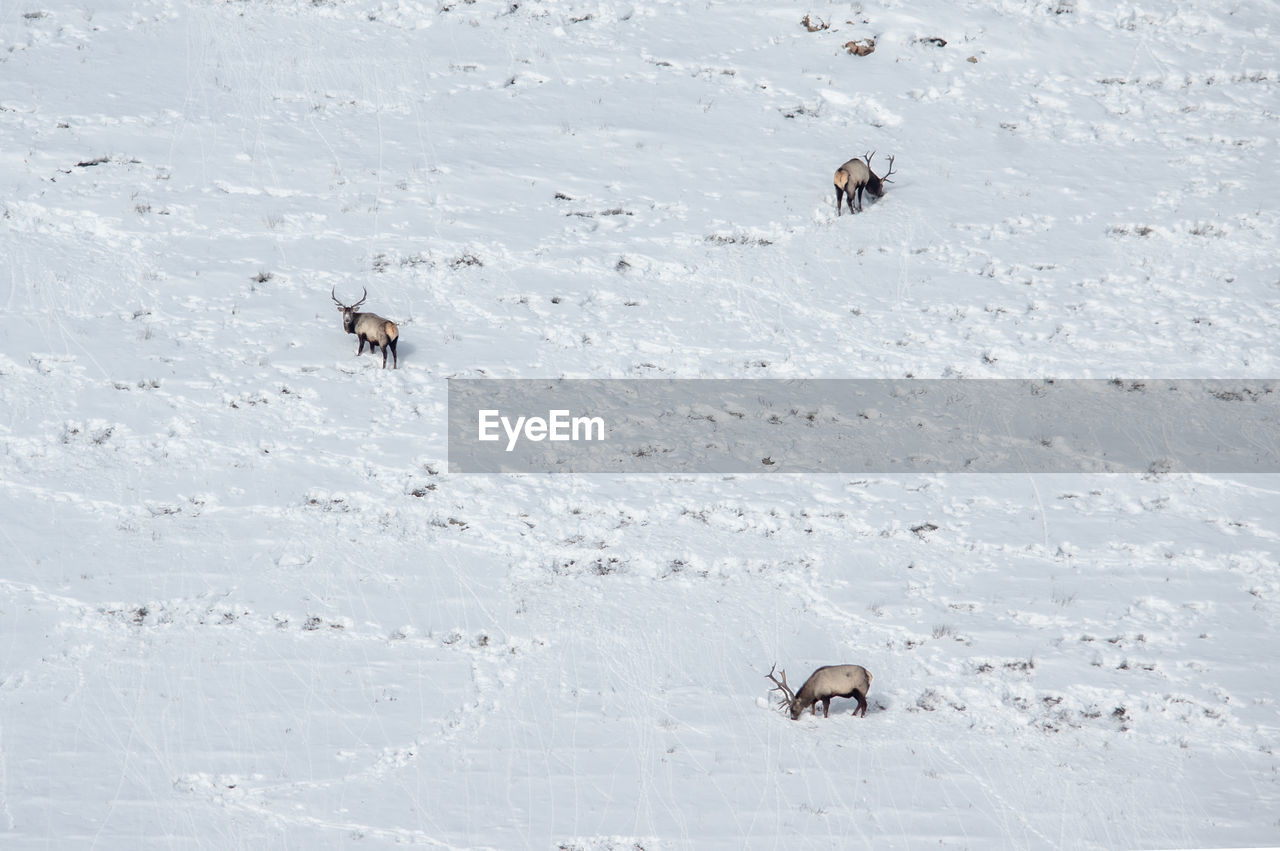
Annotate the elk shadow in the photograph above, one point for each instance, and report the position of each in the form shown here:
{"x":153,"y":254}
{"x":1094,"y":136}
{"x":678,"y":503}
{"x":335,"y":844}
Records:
{"x":405,"y":348}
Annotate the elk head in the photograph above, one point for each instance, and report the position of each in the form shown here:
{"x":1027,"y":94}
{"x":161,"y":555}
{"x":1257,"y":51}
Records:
{"x":348,"y":311}
{"x":875,"y":185}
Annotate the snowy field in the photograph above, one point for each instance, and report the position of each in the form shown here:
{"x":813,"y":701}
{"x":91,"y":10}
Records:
{"x":244,"y":604}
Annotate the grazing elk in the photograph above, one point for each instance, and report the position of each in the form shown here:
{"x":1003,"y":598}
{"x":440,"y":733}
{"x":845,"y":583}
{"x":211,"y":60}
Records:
{"x":854,"y":175}
{"x":369,"y":328}
{"x":827,"y":682}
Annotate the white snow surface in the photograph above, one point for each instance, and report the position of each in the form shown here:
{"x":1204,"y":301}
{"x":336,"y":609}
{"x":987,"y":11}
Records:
{"x":244,"y":605}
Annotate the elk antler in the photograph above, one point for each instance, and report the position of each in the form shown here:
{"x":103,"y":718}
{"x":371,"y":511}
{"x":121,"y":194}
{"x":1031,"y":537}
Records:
{"x":868,"y":157}
{"x":333,"y":294}
{"x":889,"y":172}
{"x":781,"y":685}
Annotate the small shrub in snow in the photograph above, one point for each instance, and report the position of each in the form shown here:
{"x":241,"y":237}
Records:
{"x":465,"y":260}
{"x":861,"y":46}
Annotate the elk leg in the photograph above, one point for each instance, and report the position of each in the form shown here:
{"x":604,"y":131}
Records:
{"x":859,"y":201}
{"x":862,"y":704}
{"x":395,"y":358}
{"x":826,"y":707}
{"x":360,"y":348}
{"x":839,"y":209}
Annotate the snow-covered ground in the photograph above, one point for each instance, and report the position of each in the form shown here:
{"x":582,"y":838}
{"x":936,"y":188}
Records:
{"x":243,"y":604}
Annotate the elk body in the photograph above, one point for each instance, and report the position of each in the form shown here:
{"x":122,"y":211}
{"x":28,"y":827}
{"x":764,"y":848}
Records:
{"x":856,"y":175}
{"x":369,"y":328}
{"x":824,"y":684}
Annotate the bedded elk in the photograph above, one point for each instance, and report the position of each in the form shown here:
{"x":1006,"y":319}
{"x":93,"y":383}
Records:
{"x":369,"y":328}
{"x":854,"y":176}
{"x":829,"y":681}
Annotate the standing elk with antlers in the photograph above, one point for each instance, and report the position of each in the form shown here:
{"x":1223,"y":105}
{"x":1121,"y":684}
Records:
{"x":369,"y":328}
{"x":829,"y":681}
{"x":855,"y":175}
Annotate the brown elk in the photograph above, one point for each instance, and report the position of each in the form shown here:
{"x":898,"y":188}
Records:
{"x":369,"y":328}
{"x":824,"y":684}
{"x":855,"y":175}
